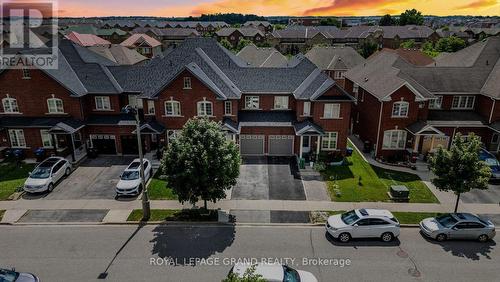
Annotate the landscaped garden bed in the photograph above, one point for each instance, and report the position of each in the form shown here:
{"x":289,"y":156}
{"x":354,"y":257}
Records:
{"x":358,"y":181}
{"x":177,"y":215}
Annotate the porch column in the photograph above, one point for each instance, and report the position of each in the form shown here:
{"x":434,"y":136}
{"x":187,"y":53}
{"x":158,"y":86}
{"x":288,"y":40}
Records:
{"x":415,"y":145}
{"x":432,"y":142}
{"x":301,"y":144}
{"x":318,"y":145}
{"x":54,"y":143}
{"x":73,"y":157}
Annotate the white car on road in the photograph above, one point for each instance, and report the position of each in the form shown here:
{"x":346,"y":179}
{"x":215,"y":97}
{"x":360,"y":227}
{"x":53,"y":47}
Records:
{"x":46,"y":175}
{"x":130,"y":180}
{"x":363,"y":223}
{"x":274,"y":272}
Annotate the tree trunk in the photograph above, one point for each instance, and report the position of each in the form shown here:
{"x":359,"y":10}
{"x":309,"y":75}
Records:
{"x":456,"y":204}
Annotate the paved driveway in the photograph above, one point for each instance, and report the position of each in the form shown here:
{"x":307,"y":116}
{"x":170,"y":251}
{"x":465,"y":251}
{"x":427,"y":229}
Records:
{"x":267,"y":178}
{"x":490,"y":196}
{"x":93,"y":179}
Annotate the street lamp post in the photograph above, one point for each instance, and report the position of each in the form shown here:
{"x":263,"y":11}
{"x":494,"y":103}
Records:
{"x":146,"y":207}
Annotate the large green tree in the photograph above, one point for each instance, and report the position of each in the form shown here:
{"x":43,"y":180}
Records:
{"x":201,"y":163}
{"x":459,"y":169}
{"x":450,"y":44}
{"x":330,"y":22}
{"x":387,"y":20}
{"x":411,"y":17}
{"x":248,"y":276}
{"x":367,"y":48}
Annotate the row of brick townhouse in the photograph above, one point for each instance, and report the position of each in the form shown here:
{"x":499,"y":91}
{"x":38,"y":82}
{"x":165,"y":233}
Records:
{"x":291,"y":110}
{"x":404,"y":109}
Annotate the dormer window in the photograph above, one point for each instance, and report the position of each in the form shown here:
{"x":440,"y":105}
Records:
{"x":10,"y":105}
{"x":187,"y":83}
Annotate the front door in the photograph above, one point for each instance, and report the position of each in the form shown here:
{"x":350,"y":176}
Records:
{"x":306,"y":144}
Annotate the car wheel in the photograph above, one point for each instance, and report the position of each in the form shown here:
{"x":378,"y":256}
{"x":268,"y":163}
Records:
{"x":67,"y":172}
{"x":387,"y":237}
{"x":483,"y":238}
{"x":51,"y":187}
{"x":344,"y":237}
{"x":441,"y":237}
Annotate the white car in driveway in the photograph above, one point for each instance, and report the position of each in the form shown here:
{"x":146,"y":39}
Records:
{"x":363,"y":223}
{"x":274,"y":272}
{"x":130,"y":180}
{"x":46,"y":175}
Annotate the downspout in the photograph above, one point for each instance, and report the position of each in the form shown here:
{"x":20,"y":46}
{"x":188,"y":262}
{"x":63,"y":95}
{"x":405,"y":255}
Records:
{"x":379,"y":125}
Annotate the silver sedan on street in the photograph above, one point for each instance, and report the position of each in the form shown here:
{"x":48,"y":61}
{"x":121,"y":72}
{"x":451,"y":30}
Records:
{"x":458,"y":226}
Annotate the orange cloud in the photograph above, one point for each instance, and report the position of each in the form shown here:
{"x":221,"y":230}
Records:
{"x":347,"y":6}
{"x":478,"y":4}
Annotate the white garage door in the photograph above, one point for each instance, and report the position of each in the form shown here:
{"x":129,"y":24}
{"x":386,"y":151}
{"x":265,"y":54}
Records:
{"x":281,"y":145}
{"x":252,"y":145}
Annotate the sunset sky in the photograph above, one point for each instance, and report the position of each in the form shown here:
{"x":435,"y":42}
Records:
{"x":78,"y":8}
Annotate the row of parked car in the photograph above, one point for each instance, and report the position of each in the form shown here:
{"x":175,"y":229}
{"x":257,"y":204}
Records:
{"x":51,"y":171}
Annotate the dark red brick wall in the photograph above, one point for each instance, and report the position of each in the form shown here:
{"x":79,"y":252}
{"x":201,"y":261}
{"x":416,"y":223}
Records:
{"x":483,"y":106}
{"x":188,"y":99}
{"x":116,"y":101}
{"x":32,"y":94}
{"x":266,"y":101}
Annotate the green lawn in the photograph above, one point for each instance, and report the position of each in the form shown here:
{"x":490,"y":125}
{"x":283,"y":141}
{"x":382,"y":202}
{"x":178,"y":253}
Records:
{"x":175,"y":215}
{"x":12,"y":177}
{"x":158,"y":189}
{"x":374,"y":183}
{"x":403,"y":217}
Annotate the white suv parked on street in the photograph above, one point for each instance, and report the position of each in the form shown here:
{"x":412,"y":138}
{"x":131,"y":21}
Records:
{"x":363,"y":223}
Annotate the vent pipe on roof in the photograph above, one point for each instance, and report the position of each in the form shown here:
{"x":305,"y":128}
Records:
{"x":487,"y":63}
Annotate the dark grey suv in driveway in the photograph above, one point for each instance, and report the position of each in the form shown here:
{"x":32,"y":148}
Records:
{"x":458,"y":226}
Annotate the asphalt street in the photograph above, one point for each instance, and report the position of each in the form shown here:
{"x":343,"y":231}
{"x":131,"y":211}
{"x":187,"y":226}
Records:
{"x":206,"y":252}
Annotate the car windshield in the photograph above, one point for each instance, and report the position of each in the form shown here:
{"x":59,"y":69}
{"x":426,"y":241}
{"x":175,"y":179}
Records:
{"x":349,"y":217}
{"x":8,"y":275}
{"x":491,"y":162}
{"x":130,"y":175}
{"x":290,"y":274}
{"x":41,"y":172}
{"x":446,"y":220}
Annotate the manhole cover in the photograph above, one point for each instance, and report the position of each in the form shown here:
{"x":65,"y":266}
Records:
{"x":414,"y":272}
{"x":402,"y":254}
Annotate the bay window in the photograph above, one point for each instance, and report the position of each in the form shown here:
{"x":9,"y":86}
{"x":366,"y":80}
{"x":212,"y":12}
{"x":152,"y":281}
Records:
{"x":394,"y":140}
{"x":329,"y":141}
{"x":17,"y":138}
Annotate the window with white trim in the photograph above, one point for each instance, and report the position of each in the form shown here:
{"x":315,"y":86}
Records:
{"x":329,"y":141}
{"x":463,"y":102}
{"x":252,"y":102}
{"x":187,"y":82}
{"x":55,"y":105}
{"x":280,"y":102}
{"x":17,"y":138}
{"x":394,"y":140}
{"x":46,"y":138}
{"x":135,"y":101}
{"x":436,"y":103}
{"x":172,"y":108}
{"x":26,"y":74}
{"x":400,"y":109}
{"x":228,"y":108}
{"x":10,"y":105}
{"x":307,"y":109}
{"x":151,"y":107}
{"x":331,"y":111}
{"x":204,"y":108}
{"x":102,"y":103}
